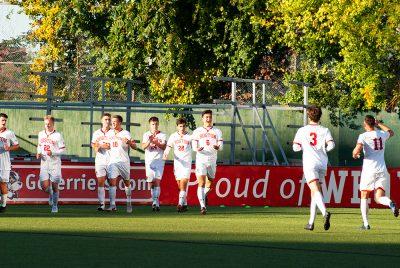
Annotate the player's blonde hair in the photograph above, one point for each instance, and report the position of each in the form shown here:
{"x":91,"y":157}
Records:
{"x":49,"y":117}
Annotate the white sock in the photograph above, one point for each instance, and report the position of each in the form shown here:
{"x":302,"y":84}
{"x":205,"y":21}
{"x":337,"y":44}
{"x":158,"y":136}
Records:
{"x":206,"y":190}
{"x":157,"y":195}
{"x":313,"y":211}
{"x":384,"y":200}
{"x":200,"y":196}
{"x":364,"y":210}
{"x":101,"y":194}
{"x":152,"y":191}
{"x":55,"y":198}
{"x":320,"y":202}
{"x":128,"y":193}
{"x":182,"y":197}
{"x":4,"y":200}
{"x":112,"y":191}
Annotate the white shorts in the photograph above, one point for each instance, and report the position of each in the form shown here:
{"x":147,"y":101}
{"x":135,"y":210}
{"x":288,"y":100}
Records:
{"x":374,"y":180}
{"x":311,"y":174}
{"x":54,"y":175}
{"x":119,"y":169}
{"x":101,"y":170}
{"x":182,"y":169}
{"x":206,"y":169}
{"x":155,"y":170}
{"x":5,"y":175}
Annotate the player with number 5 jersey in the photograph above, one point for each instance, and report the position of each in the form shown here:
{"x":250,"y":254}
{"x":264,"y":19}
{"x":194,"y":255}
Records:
{"x":315,"y":141}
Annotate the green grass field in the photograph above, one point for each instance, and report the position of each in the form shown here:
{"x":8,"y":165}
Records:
{"x":79,"y":236}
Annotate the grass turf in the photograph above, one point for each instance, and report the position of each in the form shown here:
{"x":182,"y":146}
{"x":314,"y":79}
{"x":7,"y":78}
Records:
{"x":79,"y":236}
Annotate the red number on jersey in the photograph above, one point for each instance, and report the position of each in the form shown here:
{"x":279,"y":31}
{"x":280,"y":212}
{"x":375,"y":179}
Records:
{"x":115,"y":143}
{"x":313,"y":136}
{"x":378,"y":145}
{"x":46,"y":148}
{"x":181,"y":148}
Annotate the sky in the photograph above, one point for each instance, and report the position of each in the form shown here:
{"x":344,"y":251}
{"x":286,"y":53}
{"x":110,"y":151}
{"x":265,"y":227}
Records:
{"x":16,"y":25}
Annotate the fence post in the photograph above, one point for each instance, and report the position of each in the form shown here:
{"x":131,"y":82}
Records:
{"x":305,"y":102}
{"x":49,"y":93}
{"x":233,"y":126}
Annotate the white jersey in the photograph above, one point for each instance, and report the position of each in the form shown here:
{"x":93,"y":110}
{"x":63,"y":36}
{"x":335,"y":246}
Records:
{"x":6,"y":137}
{"x":206,"y":138}
{"x":102,"y":155}
{"x":182,"y":146}
{"x":118,"y":148}
{"x":153,"y":152}
{"x":313,"y":139}
{"x":50,"y":142}
{"x":374,"y":150}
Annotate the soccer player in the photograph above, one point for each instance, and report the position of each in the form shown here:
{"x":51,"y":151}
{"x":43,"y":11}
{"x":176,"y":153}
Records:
{"x":181,"y":142}
{"x":207,"y":141}
{"x":315,"y":141}
{"x":101,"y":145}
{"x":119,"y":164}
{"x":50,"y":148}
{"x":154,"y":144}
{"x":8,"y":142}
{"x":374,"y":175}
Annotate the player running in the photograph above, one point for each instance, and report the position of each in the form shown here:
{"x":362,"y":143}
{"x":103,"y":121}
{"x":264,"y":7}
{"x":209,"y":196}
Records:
{"x":181,"y":142}
{"x":50,"y":148}
{"x":154,"y":144}
{"x":315,"y":141}
{"x":101,"y":146}
{"x":207,"y":141}
{"x":374,"y":175}
{"x":119,"y":164}
{"x":8,"y":142}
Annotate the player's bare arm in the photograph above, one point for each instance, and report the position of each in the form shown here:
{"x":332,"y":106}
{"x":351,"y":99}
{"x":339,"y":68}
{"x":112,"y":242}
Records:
{"x":384,"y":128}
{"x":11,"y":148}
{"x":161,"y":145}
{"x":147,"y":143}
{"x":357,"y":151}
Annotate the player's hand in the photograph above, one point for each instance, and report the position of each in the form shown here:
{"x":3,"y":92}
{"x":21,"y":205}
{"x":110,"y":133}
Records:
{"x":200,"y":149}
{"x":6,"y":147}
{"x":164,"y":157}
{"x":49,"y":153}
{"x":216,"y":147}
{"x":356,"y":156}
{"x":377,"y":122}
{"x":38,"y":156}
{"x":125,"y":140}
{"x":104,"y":146}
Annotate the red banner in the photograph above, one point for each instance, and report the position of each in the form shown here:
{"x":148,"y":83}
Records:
{"x":233,"y":186}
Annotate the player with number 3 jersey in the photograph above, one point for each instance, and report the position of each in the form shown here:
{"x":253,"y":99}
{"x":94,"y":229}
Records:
{"x":315,"y":141}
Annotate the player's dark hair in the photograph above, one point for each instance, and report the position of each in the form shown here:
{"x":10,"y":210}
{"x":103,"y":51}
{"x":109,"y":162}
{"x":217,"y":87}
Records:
{"x":49,"y":117}
{"x":206,"y":112}
{"x":105,"y":114}
{"x":369,"y":120}
{"x":153,"y":119}
{"x":180,"y":121}
{"x":3,"y":115}
{"x":314,"y":113}
{"x":118,"y":117}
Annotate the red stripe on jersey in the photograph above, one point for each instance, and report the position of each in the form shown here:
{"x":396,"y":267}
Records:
{"x":313,"y":181}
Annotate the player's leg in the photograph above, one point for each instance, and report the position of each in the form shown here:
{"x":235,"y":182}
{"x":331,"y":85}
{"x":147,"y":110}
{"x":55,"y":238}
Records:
{"x":113,"y":173}
{"x":55,"y":196}
{"x":126,"y":176}
{"x":157,"y":192}
{"x":380,"y":194}
{"x":201,"y":174}
{"x":316,"y":195}
{"x":101,"y":174}
{"x":364,"y":209}
{"x":4,"y":179}
{"x":182,"y":194}
{"x":45,"y":184}
{"x":211,"y":170}
{"x":150,"y":177}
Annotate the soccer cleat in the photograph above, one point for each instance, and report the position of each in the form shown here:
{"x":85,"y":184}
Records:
{"x":153,"y":207}
{"x":2,"y":209}
{"x":54,"y":209}
{"x":179,"y":208}
{"x":327,"y":221}
{"x":309,"y":227}
{"x":111,"y":209}
{"x":364,"y":228}
{"x":157,"y":209}
{"x":50,"y":200}
{"x":394,"y":209}
{"x":184,"y":208}
{"x":129,"y":208}
{"x":203,"y":211}
{"x":101,"y":208}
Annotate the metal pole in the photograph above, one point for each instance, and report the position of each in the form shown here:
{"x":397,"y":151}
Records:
{"x":305,"y":102}
{"x":50,"y":81}
{"x":233,"y":129}
{"x":254,"y":123}
{"x":263,"y":122}
{"x":91,"y":116}
{"x":103,"y":93}
{"x":128,"y":109}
